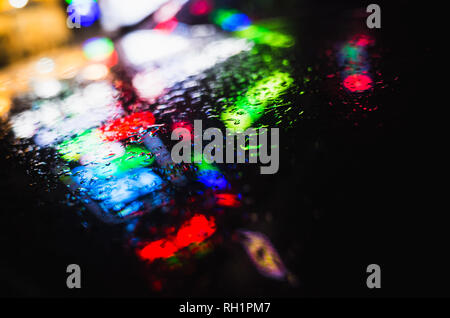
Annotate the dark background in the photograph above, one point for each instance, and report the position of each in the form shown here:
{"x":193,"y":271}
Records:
{"x":346,"y":195}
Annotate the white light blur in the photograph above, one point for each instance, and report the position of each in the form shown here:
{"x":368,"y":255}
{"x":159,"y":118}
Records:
{"x":82,"y":7}
{"x":213,"y":53}
{"x":99,"y":94}
{"x":118,"y":13}
{"x":104,"y":152}
{"x":202,"y":30}
{"x":53,"y":121}
{"x":46,"y":137}
{"x":25,"y":124}
{"x":168,"y":10}
{"x":18,"y":3}
{"x":45,"y":65}
{"x":49,"y":114}
{"x":146,"y":46}
{"x":94,"y":72}
{"x":199,"y":57}
{"x":47,"y":88}
{"x":149,"y":85}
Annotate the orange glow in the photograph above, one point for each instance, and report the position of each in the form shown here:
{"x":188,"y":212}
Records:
{"x":5,"y":105}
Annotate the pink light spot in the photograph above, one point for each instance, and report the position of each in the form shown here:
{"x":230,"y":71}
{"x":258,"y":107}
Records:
{"x":201,"y":7}
{"x":358,"y":82}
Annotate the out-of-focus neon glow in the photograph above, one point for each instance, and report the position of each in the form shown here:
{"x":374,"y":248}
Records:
{"x":102,"y":153}
{"x":149,"y":85}
{"x":263,"y":35}
{"x":214,"y":52}
{"x":168,"y":11}
{"x":237,"y":118}
{"x":210,"y":175}
{"x":231,"y":20}
{"x":201,"y":7}
{"x":134,"y":157}
{"x":84,"y":143}
{"x":191,"y":59}
{"x":352,"y":53}
{"x":53,"y":121}
{"x":186,"y":125}
{"x":94,"y":72}
{"x":118,"y":13}
{"x":87,"y":10}
{"x":90,"y":147}
{"x":249,"y":108}
{"x":47,"y":88}
{"x":145,"y":46}
{"x":362,"y":40}
{"x":116,"y":192}
{"x":127,"y":126}
{"x":354,"y":64}
{"x":263,"y":255}
{"x":357,"y":82}
{"x":80,"y":111}
{"x":213,"y":179}
{"x":193,"y":231}
{"x":48,"y":113}
{"x":45,"y":65}
{"x":227,"y":199}
{"x":269,"y":88}
{"x":98,"y":49}
{"x":132,"y":208}
{"x":25,"y":124}
{"x":111,"y":165}
{"x":167,"y":26}
{"x":18,"y":3}
{"x":5,"y":105}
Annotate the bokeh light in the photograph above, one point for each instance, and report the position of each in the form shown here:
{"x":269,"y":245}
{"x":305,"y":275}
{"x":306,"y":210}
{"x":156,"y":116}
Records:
{"x":88,"y":11}
{"x":18,"y":3}
{"x":357,"y":82}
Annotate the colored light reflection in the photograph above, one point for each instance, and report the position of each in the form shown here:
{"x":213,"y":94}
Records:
{"x":134,"y":157}
{"x":263,"y":255}
{"x":104,"y":152}
{"x":357,"y":82}
{"x":241,"y":26}
{"x":249,"y":108}
{"x":201,"y":7}
{"x":354,"y":61}
{"x":213,"y":179}
{"x":140,"y":47}
{"x":210,"y":175}
{"x":175,"y":58}
{"x":167,"y":26}
{"x":95,"y":72}
{"x":231,"y":20}
{"x":193,"y":231}
{"x":168,"y":11}
{"x":55,"y":120}
{"x":98,"y":49}
{"x":73,"y":149}
{"x":149,"y":85}
{"x":128,"y":126}
{"x":227,"y":199}
{"x":118,"y":13}
{"x":88,"y":11}
{"x":114,"y":193}
{"x":47,"y":88}
{"x":262,"y":35}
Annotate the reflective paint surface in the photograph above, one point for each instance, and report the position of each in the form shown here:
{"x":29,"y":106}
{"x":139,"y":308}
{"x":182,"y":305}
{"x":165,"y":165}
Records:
{"x":97,"y":144}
